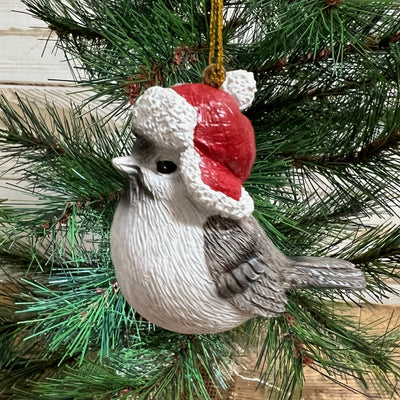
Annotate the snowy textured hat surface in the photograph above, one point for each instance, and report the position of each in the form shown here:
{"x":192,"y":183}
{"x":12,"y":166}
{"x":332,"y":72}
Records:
{"x":215,"y":140}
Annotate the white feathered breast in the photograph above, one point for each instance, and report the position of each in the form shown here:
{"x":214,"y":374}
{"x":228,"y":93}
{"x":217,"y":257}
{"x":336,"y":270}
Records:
{"x":158,"y":254}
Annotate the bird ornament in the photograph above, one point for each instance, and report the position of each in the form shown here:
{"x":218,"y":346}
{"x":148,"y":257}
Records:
{"x":188,"y":254}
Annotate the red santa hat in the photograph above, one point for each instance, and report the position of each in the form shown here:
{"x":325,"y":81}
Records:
{"x":215,"y":140}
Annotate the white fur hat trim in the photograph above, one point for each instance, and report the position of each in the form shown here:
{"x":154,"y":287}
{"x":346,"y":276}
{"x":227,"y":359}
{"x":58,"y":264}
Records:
{"x":163,"y":116}
{"x":217,"y":202}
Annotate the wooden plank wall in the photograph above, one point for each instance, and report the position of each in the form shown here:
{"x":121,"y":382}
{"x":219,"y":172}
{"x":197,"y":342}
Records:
{"x":29,"y":70}
{"x":22,"y":40}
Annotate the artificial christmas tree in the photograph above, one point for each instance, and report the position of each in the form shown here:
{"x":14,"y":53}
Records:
{"x":326,"y":121}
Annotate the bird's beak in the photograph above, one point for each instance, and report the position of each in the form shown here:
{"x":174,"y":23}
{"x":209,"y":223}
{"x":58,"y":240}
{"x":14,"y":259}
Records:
{"x":125,"y":164}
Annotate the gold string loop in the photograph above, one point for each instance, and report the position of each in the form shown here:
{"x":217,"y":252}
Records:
{"x":214,"y":74}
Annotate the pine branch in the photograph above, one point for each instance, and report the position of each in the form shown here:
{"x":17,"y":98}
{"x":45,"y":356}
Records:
{"x":320,"y":84}
{"x":123,"y":39}
{"x":370,"y":46}
{"x":67,"y":25}
{"x":358,"y":124}
{"x":320,"y":27}
{"x":21,"y":361}
{"x":383,"y":243}
{"x":367,"y":349}
{"x":177,"y":369}
{"x":377,"y":252}
{"x":79,"y":299}
{"x":366,"y":154}
{"x":82,"y":148}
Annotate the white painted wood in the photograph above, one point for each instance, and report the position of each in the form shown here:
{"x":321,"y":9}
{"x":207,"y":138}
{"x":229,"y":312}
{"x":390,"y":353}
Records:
{"x":15,"y":196}
{"x":27,"y":48}
{"x":391,"y":298}
{"x":22,"y":61}
{"x":6,"y":171}
{"x":14,"y":16}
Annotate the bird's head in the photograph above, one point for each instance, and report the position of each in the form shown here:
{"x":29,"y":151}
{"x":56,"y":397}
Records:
{"x":193,"y":141}
{"x":153,"y":169}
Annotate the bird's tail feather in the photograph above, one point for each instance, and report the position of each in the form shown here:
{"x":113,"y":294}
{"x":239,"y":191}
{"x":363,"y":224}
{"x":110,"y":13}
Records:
{"x":326,"y":272}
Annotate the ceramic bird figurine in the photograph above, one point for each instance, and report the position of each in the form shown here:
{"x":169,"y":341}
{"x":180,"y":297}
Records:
{"x":188,"y":254}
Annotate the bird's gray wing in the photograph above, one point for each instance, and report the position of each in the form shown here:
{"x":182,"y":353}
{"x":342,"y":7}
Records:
{"x":245,"y":266}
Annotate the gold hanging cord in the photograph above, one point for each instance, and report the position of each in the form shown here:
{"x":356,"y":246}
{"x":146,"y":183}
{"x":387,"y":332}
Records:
{"x":214,"y":74}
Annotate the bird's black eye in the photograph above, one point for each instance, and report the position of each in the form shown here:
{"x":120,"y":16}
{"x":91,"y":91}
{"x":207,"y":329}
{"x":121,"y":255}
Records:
{"x":166,"y":167}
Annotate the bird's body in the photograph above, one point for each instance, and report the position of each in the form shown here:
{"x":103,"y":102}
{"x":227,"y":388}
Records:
{"x":158,"y":253}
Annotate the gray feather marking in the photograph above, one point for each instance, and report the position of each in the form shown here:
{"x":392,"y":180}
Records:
{"x":245,"y":265}
{"x":257,"y":266}
{"x":240,"y":277}
{"x":249,"y":272}
{"x":232,"y":284}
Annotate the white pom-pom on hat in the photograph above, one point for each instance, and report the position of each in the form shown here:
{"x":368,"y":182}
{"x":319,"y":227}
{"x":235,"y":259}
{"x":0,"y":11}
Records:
{"x":241,"y":85}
